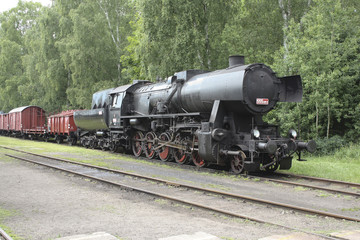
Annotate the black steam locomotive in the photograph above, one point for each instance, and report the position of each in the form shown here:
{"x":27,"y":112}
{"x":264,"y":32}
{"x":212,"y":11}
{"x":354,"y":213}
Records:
{"x":199,"y":116}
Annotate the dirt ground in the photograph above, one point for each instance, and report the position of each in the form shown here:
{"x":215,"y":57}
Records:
{"x":47,"y":204}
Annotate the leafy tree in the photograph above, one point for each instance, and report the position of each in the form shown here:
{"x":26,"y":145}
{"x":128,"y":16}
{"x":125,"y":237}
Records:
{"x":119,"y":15}
{"x":324,"y":49}
{"x":47,"y":77}
{"x":14,"y":25}
{"x":254,"y":30}
{"x":91,"y":52}
{"x":180,"y":35}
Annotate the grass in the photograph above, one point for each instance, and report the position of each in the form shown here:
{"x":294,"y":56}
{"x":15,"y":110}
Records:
{"x":73,"y":153}
{"x":4,"y":213}
{"x":343,"y":165}
{"x":355,"y":209}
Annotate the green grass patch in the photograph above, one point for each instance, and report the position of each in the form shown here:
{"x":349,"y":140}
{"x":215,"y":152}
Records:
{"x":355,"y":209}
{"x":343,"y":165}
{"x":74,"y":153}
{"x":4,"y":213}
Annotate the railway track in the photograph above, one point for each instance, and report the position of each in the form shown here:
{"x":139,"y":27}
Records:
{"x":340,"y":188}
{"x":337,"y":187}
{"x":353,"y":188}
{"x":286,"y":178}
{"x":97,"y":174}
{"x":319,"y":179}
{"x":341,"y":185}
{"x":4,"y":235}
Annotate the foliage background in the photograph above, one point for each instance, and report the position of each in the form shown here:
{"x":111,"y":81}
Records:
{"x":56,"y":57}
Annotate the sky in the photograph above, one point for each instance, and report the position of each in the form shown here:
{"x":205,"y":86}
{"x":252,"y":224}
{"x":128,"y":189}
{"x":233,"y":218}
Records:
{"x":8,"y":4}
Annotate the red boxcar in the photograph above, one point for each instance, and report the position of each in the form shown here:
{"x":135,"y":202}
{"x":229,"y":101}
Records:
{"x":27,"y":120}
{"x":62,"y":126}
{"x":4,"y":122}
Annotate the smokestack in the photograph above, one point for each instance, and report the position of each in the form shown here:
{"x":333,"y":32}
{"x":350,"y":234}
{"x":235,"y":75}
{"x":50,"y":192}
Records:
{"x":236,"y":60}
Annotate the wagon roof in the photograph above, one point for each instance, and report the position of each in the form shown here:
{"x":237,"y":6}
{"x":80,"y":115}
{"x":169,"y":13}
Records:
{"x":20,"y":109}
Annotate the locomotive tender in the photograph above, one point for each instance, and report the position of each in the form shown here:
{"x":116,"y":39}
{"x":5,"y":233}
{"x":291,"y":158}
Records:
{"x":207,"y":117}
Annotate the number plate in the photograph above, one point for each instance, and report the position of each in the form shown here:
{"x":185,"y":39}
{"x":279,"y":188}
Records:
{"x":262,"y":101}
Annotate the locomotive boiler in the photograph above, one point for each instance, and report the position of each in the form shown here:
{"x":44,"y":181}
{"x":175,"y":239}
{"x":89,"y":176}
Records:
{"x":199,"y":116}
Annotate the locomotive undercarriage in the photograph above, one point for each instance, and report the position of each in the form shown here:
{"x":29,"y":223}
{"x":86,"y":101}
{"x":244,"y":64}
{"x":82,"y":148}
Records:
{"x":190,"y":139}
{"x":168,"y":139}
{"x":105,"y":140}
{"x":194,"y":139}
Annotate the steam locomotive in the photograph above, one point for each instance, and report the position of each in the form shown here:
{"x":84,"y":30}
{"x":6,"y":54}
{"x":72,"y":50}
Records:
{"x":199,"y":116}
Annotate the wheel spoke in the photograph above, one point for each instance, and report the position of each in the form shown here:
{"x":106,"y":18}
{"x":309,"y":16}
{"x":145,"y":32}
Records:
{"x":137,"y":143}
{"x":150,"y":145}
{"x":197,"y":160}
{"x":180,"y":155}
{"x":165,"y":152}
{"x":237,"y":162}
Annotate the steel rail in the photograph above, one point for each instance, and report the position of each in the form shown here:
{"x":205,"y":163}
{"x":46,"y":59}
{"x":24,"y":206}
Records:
{"x":319,"y":179}
{"x":4,"y":235}
{"x":308,"y":185}
{"x":227,"y":194}
{"x":167,"y":197}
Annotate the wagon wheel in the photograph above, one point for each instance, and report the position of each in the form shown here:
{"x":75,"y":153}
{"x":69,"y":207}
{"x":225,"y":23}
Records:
{"x":180,"y":155}
{"x":237,"y":162}
{"x":165,"y":152}
{"x":149,"y":146}
{"x":72,"y":141}
{"x":137,"y":143}
{"x":197,"y":160}
{"x":58,"y":139}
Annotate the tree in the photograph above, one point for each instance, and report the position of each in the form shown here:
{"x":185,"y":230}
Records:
{"x":15,"y":24}
{"x":91,"y":52}
{"x":324,"y":49}
{"x":180,"y":35}
{"x":47,"y":77}
{"x":119,"y":15}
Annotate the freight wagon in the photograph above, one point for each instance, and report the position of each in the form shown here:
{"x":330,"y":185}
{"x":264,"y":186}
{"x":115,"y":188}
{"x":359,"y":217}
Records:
{"x":61,"y":126}
{"x":27,"y":121}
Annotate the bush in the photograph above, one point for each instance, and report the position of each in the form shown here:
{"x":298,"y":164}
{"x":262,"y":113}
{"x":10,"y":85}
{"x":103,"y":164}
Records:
{"x":327,"y":146}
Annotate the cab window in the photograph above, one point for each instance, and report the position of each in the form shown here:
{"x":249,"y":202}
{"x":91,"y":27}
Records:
{"x":117,"y":100}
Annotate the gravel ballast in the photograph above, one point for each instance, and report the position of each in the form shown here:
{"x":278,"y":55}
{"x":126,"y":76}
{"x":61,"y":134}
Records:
{"x":48,"y":204}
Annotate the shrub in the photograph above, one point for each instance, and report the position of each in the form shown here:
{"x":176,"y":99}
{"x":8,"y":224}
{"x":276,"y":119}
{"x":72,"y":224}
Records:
{"x":327,"y":146}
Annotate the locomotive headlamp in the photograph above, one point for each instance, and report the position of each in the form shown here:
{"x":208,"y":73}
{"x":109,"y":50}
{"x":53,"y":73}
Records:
{"x":292,"y":133}
{"x":255,"y":133}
